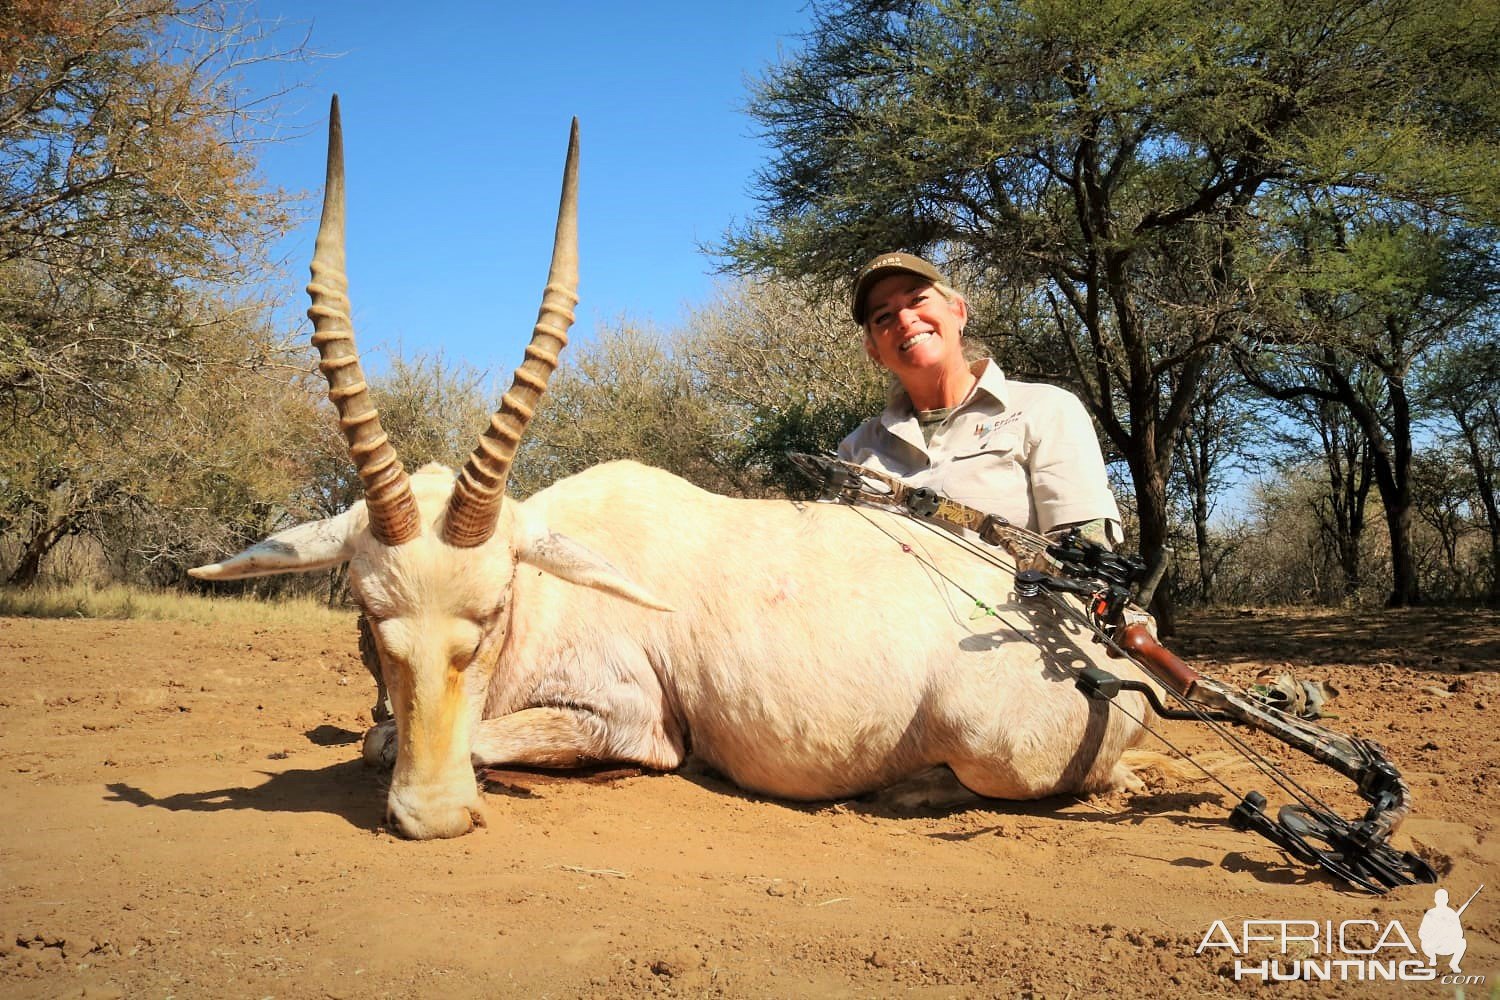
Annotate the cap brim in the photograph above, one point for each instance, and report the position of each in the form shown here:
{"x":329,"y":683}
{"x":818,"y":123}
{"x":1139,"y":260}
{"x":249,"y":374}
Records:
{"x":868,"y":281}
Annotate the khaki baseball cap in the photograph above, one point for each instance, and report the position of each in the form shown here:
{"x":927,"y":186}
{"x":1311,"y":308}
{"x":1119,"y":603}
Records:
{"x":882,"y":266}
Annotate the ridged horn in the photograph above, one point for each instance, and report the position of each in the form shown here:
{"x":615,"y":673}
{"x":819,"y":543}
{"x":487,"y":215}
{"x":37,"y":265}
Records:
{"x":475,"y":504}
{"x":388,"y":496}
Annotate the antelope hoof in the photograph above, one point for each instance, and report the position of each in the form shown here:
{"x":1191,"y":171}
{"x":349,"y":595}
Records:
{"x":379,"y":749}
{"x":439,"y":824}
{"x":1124,"y":779}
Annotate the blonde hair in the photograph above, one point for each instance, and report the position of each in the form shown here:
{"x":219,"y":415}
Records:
{"x":948,"y":292}
{"x":973,"y":349}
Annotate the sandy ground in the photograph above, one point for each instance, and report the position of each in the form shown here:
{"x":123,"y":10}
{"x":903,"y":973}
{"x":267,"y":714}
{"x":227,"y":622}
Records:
{"x":185,"y":814}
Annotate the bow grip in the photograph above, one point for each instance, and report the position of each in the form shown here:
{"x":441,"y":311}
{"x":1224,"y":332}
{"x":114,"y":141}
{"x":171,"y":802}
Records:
{"x":1137,"y":640}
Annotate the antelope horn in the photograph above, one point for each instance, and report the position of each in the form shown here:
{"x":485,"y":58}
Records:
{"x":388,"y":497}
{"x":475,"y":504}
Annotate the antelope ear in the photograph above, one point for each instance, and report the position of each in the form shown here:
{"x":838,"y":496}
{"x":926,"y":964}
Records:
{"x":310,"y":546}
{"x":576,"y":563}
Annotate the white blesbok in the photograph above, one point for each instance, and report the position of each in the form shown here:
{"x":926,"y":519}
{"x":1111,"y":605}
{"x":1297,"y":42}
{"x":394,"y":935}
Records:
{"x":807,"y":651}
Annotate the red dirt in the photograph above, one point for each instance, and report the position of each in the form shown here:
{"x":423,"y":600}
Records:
{"x":186,"y":815}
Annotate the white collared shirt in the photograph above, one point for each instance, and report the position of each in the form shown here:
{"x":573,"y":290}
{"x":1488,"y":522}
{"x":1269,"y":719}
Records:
{"x":1025,"y":451}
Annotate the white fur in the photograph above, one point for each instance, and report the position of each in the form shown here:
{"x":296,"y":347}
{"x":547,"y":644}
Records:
{"x":310,"y":546}
{"x":808,"y":657}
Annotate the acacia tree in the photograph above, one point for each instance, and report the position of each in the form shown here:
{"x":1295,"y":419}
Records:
{"x":131,"y":219}
{"x":1324,"y":448}
{"x":1459,"y":384}
{"x":431,"y":407}
{"x":197,"y":463}
{"x":127,"y":177}
{"x":760,"y":369}
{"x":626,"y":395}
{"x":1443,"y":492}
{"x":787,"y":370}
{"x":1372,"y":295}
{"x":1080,"y":150}
{"x":1287,"y":553}
{"x":1221,"y":426}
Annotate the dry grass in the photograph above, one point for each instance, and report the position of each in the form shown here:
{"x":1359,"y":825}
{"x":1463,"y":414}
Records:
{"x":115,"y":601}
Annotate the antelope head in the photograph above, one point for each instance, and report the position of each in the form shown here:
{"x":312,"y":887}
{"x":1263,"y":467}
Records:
{"x":432,"y":558}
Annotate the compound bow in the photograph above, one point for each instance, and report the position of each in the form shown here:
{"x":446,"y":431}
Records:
{"x":1357,"y":851}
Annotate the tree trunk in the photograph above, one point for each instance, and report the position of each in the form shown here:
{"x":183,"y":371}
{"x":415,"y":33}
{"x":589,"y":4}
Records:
{"x":1349,"y":562}
{"x":1342,"y":532}
{"x":42,"y":542}
{"x":1206,"y":563}
{"x":1494,"y":598}
{"x":1351,"y":472}
{"x":1405,"y":591}
{"x":1392,"y":457}
{"x":1152,"y":509}
{"x":1393,"y":479}
{"x":1486,"y":488}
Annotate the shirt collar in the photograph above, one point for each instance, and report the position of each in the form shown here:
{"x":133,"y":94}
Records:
{"x":991,"y":381}
{"x":900,"y":417}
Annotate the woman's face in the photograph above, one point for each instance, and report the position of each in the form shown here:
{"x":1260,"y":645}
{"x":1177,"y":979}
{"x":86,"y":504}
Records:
{"x":910,"y":327}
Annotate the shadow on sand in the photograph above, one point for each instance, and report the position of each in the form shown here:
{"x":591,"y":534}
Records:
{"x":348,"y":789}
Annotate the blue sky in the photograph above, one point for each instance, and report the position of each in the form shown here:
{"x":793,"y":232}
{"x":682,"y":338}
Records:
{"x":455,"y":129}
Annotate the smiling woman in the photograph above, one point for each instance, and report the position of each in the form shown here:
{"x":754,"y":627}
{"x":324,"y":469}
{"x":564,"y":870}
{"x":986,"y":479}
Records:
{"x":1022,"y":451}
{"x":915,"y":330}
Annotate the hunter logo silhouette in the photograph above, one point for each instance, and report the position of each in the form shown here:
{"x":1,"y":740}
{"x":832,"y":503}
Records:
{"x":1441,"y":933}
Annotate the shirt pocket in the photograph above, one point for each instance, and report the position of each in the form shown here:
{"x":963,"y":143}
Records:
{"x":1000,"y":447}
{"x":989,"y":474}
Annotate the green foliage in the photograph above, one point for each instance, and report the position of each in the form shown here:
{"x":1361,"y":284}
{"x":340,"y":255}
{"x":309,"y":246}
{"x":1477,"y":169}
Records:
{"x":762,"y":369}
{"x":1112,"y":165}
{"x":1458,"y":384}
{"x":788,"y":366}
{"x":1123,"y":189}
{"x":1362,"y":296}
{"x":625,"y":395}
{"x":814,"y":427}
{"x":138,"y":382}
{"x":1025,"y":137}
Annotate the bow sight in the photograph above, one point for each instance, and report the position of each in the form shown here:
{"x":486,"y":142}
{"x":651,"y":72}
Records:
{"x":1091,"y":570}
